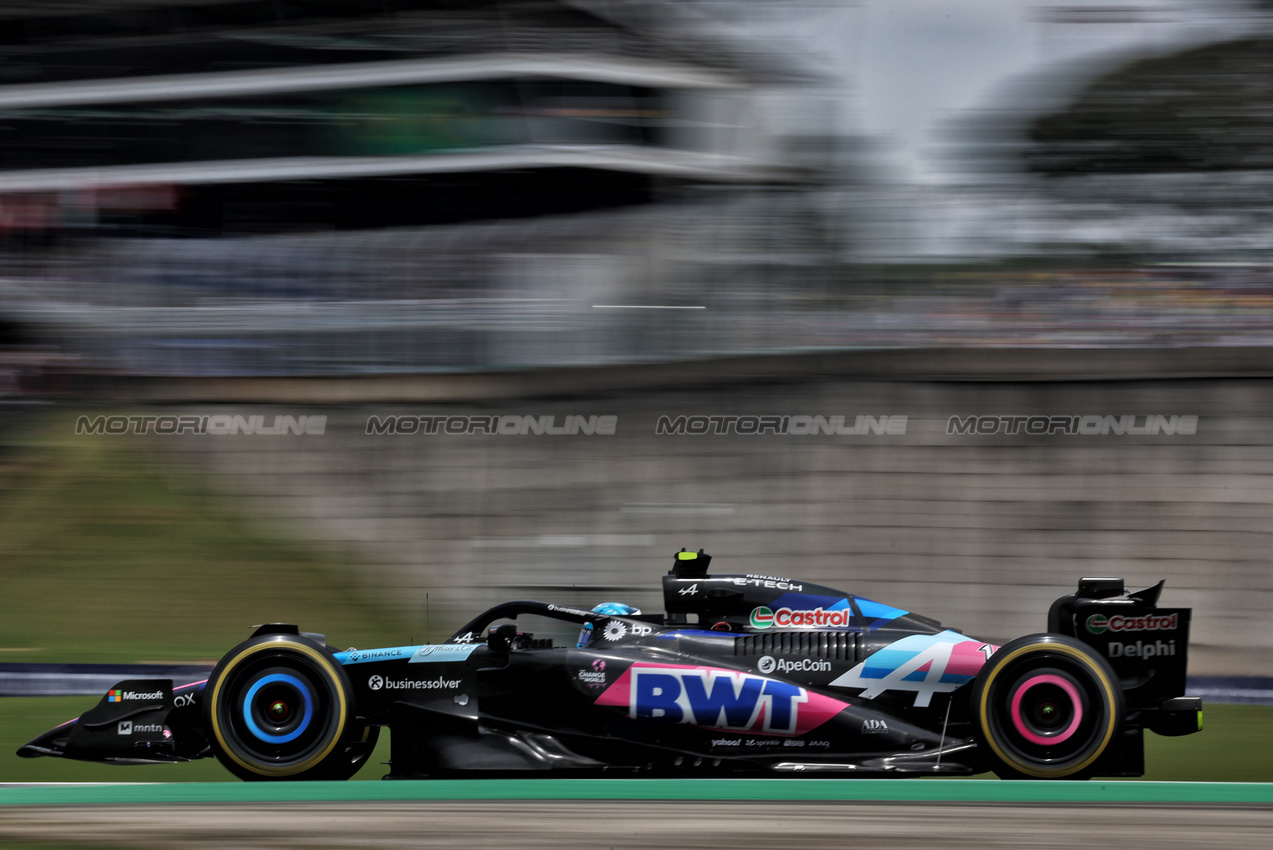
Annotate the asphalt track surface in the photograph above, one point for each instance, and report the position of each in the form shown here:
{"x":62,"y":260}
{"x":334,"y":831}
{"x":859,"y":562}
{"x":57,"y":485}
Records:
{"x":674,"y":825}
{"x":1038,"y":816}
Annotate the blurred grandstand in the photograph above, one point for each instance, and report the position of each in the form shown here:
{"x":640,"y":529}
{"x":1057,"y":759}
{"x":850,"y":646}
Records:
{"x":319,"y":187}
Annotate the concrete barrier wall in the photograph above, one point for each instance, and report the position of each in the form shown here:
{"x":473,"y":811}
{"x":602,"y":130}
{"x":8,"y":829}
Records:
{"x":979,"y":531}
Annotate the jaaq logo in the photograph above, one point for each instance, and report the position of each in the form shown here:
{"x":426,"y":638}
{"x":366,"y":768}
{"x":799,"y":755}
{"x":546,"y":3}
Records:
{"x":718,"y":699}
{"x":785,"y":618}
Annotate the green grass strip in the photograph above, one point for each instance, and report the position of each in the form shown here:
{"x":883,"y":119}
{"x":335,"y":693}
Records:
{"x":887,"y":790}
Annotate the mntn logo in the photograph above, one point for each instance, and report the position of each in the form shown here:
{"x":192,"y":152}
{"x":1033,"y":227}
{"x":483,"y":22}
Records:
{"x":718,"y":699}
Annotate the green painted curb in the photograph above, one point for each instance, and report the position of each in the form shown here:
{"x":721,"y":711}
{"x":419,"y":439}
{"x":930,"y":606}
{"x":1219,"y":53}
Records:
{"x":887,"y":790}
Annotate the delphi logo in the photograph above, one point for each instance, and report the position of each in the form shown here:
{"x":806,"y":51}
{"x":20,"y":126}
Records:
{"x":1142,"y":649}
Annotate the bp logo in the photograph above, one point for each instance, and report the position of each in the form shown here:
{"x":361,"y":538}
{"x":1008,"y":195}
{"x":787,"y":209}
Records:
{"x":1097,"y":623}
{"x":762,"y":617}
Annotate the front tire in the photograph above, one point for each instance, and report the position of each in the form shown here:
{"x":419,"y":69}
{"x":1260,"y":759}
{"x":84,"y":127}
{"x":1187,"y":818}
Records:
{"x":278,"y":706}
{"x":1047,"y":707}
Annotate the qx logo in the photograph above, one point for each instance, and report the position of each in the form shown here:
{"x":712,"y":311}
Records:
{"x":375,"y":683}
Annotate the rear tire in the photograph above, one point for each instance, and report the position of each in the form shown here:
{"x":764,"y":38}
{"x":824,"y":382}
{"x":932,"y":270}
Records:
{"x":1047,"y":707}
{"x":279,"y":706}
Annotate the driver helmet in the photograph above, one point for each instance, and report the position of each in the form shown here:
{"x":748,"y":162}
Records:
{"x":615,"y":609}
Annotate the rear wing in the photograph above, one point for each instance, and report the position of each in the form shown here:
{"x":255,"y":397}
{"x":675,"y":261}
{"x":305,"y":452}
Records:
{"x":1147,"y":646}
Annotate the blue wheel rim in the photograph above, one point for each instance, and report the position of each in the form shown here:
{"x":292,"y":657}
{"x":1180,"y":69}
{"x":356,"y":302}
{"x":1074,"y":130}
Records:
{"x":305,"y":698}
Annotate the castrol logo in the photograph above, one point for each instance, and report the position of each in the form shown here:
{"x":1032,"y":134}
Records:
{"x":1100,"y":623}
{"x":789,"y":618}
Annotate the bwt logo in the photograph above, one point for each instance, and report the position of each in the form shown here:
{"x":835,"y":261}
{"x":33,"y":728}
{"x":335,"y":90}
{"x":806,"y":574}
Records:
{"x":717,"y":699}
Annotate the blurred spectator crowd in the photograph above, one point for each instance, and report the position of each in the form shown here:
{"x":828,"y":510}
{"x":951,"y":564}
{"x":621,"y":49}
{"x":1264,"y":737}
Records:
{"x":207,"y":187}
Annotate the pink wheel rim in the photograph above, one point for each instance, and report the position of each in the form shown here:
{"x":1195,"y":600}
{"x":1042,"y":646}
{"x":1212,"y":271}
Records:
{"x":1019,"y":722}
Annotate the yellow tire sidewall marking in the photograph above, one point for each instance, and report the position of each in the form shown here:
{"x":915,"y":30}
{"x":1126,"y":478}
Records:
{"x":341,"y":704}
{"x":983,"y":709}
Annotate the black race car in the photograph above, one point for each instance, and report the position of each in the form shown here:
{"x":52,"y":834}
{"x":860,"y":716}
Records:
{"x":744,"y":675}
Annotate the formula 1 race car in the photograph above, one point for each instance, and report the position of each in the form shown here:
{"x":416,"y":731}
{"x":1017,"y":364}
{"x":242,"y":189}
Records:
{"x":744,"y":675}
